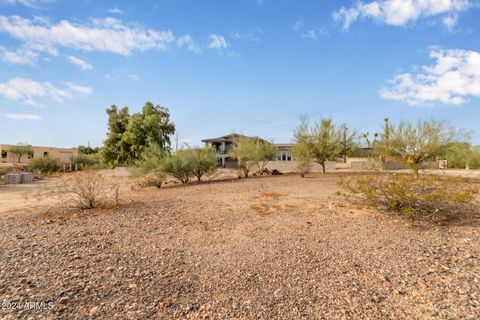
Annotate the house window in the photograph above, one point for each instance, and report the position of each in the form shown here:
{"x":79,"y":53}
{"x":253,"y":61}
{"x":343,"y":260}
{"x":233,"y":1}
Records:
{"x":4,"y":154}
{"x":30,"y":155}
{"x":221,"y":149}
{"x":45,"y":154}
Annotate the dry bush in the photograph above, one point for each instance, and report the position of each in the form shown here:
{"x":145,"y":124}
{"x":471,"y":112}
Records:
{"x":151,"y":180}
{"x":83,"y":190}
{"x":425,"y":197}
{"x":271,"y":194}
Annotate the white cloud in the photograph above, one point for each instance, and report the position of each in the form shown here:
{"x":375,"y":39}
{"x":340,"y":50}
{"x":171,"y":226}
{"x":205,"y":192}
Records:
{"x":255,"y":36}
{"x":23,"y":117}
{"x":217,"y":42}
{"x":106,"y":35}
{"x":25,"y":90}
{"x":450,"y":21}
{"x":399,"y":12}
{"x":76,"y":88}
{"x":453,"y":79}
{"x":188,"y":41}
{"x":115,"y":10}
{"x":20,"y":56}
{"x":27,"y":3}
{"x":298,"y":25}
{"x":84,"y":65}
{"x":121,"y":74}
{"x":311,"y":34}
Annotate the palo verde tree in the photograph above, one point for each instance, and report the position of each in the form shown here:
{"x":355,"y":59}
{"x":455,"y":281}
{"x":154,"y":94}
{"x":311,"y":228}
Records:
{"x":129,"y":136}
{"x":179,"y":165}
{"x":418,"y":143}
{"x":20,"y":150}
{"x":253,"y":153}
{"x":204,"y":160}
{"x":323,"y":140}
{"x":150,"y":164}
{"x":302,"y":150}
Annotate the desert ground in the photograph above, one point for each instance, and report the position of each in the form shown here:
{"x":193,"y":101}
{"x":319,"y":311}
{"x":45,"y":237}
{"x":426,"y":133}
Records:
{"x":277,"y":247}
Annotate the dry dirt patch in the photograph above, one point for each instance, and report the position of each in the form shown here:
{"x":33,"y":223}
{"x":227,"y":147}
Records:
{"x":202,"y":251}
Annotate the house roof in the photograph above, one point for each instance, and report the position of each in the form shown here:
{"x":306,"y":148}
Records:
{"x":233,"y":137}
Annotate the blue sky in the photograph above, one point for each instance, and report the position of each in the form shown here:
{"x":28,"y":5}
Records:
{"x":248,"y":66}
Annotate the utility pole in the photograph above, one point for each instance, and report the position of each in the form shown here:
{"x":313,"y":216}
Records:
{"x":176,"y":142}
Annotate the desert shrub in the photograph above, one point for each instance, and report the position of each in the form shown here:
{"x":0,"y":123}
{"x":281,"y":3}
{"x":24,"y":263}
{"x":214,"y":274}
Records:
{"x":253,"y":153}
{"x":84,"y":190}
{"x":149,"y":169}
{"x":179,"y":165}
{"x":43,"y":165}
{"x":151,"y":180}
{"x":475,"y":158}
{"x":203,"y":161}
{"x":412,"y":197}
{"x":87,"y":160}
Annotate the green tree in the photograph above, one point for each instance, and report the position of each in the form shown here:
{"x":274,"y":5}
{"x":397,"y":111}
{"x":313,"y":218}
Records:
{"x":151,"y":164}
{"x":129,"y":136}
{"x":302,"y":150}
{"x":458,"y":154}
{"x":179,"y":165}
{"x":418,"y":143}
{"x":21,"y":149}
{"x":475,"y":158}
{"x":151,"y":126}
{"x":253,"y":152}
{"x":82,"y":149}
{"x":204,"y":160}
{"x":324,"y":140}
{"x":115,"y":151}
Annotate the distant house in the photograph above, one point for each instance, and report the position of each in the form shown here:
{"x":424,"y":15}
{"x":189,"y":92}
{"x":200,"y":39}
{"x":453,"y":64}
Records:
{"x":63,"y":155}
{"x":224,"y":146}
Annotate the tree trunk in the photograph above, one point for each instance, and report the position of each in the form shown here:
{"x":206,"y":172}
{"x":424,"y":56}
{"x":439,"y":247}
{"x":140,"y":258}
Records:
{"x":323,"y":167}
{"x":345,"y":158}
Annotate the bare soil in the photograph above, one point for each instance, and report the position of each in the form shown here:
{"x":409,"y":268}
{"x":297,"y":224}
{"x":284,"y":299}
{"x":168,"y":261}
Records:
{"x":262,"y":248}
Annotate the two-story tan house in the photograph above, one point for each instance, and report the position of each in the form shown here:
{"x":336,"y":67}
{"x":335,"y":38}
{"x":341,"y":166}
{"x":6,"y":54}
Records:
{"x":225,"y":144}
{"x":63,"y":155}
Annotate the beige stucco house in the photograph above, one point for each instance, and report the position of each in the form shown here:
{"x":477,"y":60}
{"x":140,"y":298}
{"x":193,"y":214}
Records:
{"x":283,"y":160}
{"x":224,"y":146}
{"x":63,"y":155}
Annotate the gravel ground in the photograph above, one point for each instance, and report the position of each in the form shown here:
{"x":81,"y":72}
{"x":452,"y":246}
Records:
{"x":266,"y":248}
